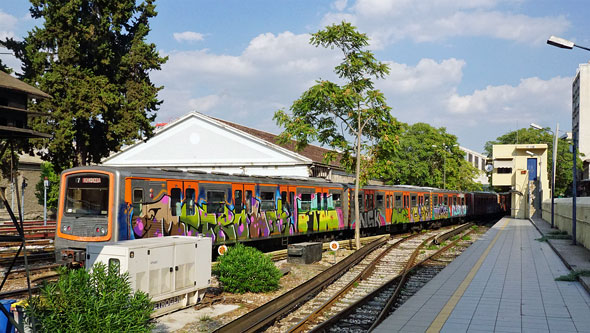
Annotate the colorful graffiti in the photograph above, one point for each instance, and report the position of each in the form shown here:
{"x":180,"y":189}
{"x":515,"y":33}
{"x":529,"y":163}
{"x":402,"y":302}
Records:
{"x":229,"y":223}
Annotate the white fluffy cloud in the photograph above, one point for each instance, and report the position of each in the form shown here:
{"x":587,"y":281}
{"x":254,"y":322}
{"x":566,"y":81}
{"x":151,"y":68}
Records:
{"x":188,"y":36}
{"x":436,"y":20}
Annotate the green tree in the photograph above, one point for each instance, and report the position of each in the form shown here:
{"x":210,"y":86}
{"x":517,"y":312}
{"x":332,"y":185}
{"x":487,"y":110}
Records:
{"x":350,"y":118}
{"x":427,"y":156}
{"x":93,"y":59}
{"x":53,"y":190}
{"x":563,"y":170}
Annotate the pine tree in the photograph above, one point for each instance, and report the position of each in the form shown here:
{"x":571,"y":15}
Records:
{"x":92,"y":57}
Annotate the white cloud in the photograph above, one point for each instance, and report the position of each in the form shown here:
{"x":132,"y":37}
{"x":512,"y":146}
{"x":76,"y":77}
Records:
{"x":436,"y":20}
{"x":188,"y":36}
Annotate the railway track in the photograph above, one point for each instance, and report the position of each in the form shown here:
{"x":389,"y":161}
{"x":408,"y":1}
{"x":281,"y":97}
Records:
{"x":369,"y":311}
{"x":292,"y":305}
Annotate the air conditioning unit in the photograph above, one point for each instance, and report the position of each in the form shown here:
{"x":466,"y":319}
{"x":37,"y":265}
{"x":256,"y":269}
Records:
{"x":175,"y":271}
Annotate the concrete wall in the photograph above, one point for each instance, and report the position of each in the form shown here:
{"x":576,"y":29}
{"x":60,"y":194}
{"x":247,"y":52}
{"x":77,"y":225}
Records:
{"x":563,"y":217}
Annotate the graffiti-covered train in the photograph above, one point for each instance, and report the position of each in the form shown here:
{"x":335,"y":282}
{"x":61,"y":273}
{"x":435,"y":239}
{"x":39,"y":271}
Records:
{"x":108,"y":204}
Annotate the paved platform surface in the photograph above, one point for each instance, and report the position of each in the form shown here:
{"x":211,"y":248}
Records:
{"x":504,"y":282}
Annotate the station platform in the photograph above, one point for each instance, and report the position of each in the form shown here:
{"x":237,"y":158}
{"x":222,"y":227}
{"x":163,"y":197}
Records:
{"x":504,"y":282}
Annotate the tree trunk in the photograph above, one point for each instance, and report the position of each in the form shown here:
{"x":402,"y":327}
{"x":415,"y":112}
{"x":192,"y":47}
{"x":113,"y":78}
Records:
{"x":357,"y":180}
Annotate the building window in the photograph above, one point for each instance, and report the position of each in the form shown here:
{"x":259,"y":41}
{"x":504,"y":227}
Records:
{"x":504,"y":170}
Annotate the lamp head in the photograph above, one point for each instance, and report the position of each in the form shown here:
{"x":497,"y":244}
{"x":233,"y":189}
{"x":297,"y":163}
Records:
{"x":530,"y":153}
{"x":535,"y":126}
{"x":560,"y":42}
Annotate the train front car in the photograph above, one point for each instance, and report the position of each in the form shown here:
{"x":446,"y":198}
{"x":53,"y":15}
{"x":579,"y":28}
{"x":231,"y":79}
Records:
{"x":85,"y":213}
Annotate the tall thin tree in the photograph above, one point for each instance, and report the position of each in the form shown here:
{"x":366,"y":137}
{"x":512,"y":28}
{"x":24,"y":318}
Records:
{"x":351,"y":118}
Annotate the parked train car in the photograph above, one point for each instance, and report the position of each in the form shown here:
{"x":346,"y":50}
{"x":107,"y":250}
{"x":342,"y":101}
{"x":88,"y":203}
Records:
{"x":108,"y":204}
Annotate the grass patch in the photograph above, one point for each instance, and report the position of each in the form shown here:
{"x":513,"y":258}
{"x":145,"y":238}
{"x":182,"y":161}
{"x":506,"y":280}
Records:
{"x":554,"y":235}
{"x":466,"y":238}
{"x":432,"y":247}
{"x":573,"y":275}
{"x":205,"y":318}
{"x":542,"y":239}
{"x":454,"y":238}
{"x":557,"y":232}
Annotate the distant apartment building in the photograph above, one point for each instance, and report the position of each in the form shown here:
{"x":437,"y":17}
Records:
{"x":479,"y":161}
{"x":581,"y":114}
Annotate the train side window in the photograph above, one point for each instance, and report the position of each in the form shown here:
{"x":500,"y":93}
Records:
{"x":291,"y":200}
{"x":284,"y":202}
{"x":379,"y":200}
{"x":318,"y":201}
{"x":463,"y":201}
{"x":445,"y":200}
{"x":305,"y":203}
{"x":369,"y":201}
{"x":435,"y":200}
{"x":388,"y":201}
{"x":337,"y":199}
{"x":175,"y":203}
{"x":413,"y":200}
{"x":190,"y":201}
{"x":325,"y":201}
{"x":398,"y":201}
{"x":137,"y":201}
{"x":267,"y":201}
{"x":215,"y":201}
{"x":454,"y":201}
{"x":427,"y":199}
{"x":249,"y":201}
{"x":238,"y":201}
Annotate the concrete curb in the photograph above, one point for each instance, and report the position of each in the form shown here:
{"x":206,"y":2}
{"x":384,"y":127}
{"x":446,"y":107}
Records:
{"x":560,"y":255}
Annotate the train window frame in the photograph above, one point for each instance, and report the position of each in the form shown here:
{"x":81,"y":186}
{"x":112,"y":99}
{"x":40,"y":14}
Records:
{"x":387,"y":201}
{"x":190,"y":209}
{"x":238,"y":201}
{"x":267,"y":201}
{"x":215,"y":205}
{"x":361,"y":201}
{"x":249,"y":195}
{"x":337,"y":200}
{"x":427,"y":199}
{"x":369,"y":201}
{"x":76,"y":187}
{"x":175,"y":201}
{"x":397,"y":201}
{"x":379,"y":200}
{"x":413,"y":201}
{"x":445,"y":200}
{"x":325,"y":201}
{"x":304,"y":206}
{"x":135,"y":203}
{"x":318,"y":200}
{"x":435,"y":200}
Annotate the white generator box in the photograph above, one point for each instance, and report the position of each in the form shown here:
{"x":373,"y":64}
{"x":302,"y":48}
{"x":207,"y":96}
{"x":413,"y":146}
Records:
{"x":173,"y":270}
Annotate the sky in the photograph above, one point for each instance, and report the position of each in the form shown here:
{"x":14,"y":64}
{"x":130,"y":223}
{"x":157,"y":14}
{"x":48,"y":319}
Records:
{"x":480,"y":68}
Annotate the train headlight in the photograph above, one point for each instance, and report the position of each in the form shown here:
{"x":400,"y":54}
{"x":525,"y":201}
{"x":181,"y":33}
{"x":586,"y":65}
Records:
{"x":102,"y":231}
{"x":65,"y":227}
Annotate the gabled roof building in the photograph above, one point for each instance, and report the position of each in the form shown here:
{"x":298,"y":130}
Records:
{"x":197,"y":142}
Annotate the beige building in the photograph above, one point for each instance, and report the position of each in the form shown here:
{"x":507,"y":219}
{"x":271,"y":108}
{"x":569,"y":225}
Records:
{"x":522,"y":170}
{"x":581,"y":114}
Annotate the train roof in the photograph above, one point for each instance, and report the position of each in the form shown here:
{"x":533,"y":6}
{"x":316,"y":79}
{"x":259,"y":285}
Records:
{"x":204,"y":176}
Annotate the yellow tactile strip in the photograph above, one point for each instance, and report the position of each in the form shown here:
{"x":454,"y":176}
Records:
{"x":444,"y":314}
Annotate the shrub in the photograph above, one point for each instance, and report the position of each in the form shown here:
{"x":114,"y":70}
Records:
{"x":99,"y":301}
{"x":242,"y":269}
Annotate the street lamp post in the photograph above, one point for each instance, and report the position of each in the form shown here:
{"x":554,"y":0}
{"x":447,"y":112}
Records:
{"x":553,"y":167}
{"x":566,"y":44}
{"x":445,"y":147}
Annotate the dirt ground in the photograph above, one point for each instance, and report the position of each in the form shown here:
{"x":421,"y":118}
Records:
{"x":296,"y":275}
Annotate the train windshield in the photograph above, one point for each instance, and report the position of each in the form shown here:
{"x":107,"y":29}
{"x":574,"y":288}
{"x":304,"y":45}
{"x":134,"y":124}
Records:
{"x":87,"y":195}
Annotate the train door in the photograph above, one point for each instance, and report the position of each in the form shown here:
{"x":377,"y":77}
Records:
{"x":190,"y":198}
{"x":237,"y":198}
{"x":388,"y":207}
{"x":250,"y":205}
{"x":176,"y":195}
{"x":288,"y":211}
